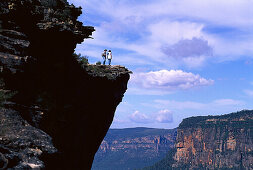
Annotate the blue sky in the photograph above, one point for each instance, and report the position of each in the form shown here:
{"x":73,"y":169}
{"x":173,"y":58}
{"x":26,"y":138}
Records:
{"x":188,"y":57}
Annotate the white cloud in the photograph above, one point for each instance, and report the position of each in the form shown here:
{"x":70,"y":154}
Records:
{"x":164,"y":116}
{"x":138,"y":117}
{"x":154,"y":24}
{"x":168,"y":80}
{"x":233,"y":12}
{"x":170,"y":32}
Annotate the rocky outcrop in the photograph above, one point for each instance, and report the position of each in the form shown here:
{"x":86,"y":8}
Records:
{"x":133,"y":148}
{"x":55,"y":113}
{"x":215,"y":142}
{"x":110,"y":72}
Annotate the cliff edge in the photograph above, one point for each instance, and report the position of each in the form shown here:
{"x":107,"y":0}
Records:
{"x":54,"y":113}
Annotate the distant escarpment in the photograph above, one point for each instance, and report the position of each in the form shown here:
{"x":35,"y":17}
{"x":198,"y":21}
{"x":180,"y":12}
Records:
{"x":54,"y":112}
{"x":133,"y":148}
{"x":216,"y":142}
{"x":213,"y":142}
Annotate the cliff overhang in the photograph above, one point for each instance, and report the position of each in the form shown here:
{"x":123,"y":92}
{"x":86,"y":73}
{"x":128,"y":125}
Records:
{"x":54,"y":113}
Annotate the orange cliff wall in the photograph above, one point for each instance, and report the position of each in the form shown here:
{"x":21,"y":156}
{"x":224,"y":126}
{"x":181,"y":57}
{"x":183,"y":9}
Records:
{"x":215,"y":142}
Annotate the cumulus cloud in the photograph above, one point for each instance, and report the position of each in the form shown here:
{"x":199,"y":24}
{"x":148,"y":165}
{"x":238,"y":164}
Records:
{"x":164,"y":116}
{"x":169,"y":80}
{"x":138,"y":117}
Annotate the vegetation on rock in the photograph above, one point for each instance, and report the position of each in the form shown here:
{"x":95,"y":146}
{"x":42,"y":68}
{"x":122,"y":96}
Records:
{"x":82,"y":60}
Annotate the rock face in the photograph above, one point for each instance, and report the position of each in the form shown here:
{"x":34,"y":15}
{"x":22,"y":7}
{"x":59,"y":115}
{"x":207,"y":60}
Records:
{"x":54,"y":113}
{"x":215,"y":142}
{"x":133,"y":148}
{"x":22,"y":145}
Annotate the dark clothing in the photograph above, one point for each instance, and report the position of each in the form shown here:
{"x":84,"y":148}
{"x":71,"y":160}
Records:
{"x":104,"y":57}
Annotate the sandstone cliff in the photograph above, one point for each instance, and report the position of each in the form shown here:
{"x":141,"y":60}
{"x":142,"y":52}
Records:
{"x":216,"y":142}
{"x":54,"y":113}
{"x":133,"y":148}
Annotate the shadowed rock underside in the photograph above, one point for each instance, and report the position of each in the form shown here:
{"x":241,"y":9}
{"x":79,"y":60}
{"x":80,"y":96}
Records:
{"x":54,"y":113}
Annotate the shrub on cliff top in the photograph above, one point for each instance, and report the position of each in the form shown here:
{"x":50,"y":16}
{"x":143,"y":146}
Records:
{"x":98,"y":63}
{"x":82,"y":60}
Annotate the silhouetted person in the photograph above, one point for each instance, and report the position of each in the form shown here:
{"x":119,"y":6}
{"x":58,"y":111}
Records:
{"x":104,"y":56}
{"x":109,"y":56}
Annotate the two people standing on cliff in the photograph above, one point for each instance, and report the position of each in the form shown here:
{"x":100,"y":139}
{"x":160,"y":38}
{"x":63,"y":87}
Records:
{"x":108,"y":56}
